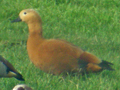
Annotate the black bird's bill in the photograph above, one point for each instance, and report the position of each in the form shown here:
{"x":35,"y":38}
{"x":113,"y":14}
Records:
{"x":16,"y":20}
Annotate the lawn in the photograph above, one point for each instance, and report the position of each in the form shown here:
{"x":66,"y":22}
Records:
{"x":92,"y":25}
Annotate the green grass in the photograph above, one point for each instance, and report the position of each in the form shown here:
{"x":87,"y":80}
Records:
{"x":92,"y":25}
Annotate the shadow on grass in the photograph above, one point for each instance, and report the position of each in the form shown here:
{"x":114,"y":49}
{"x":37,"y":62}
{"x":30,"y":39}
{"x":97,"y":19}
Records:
{"x":10,"y":44}
{"x":85,"y":76}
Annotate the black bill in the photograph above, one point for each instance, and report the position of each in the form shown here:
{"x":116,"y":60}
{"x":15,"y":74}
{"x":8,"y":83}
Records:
{"x":16,"y":20}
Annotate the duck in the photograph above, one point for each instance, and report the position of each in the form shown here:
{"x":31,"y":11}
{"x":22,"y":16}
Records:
{"x":7,"y":70}
{"x":57,"y":56}
{"x":22,"y":87}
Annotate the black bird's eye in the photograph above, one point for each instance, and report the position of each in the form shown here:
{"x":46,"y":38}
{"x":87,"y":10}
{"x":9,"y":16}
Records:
{"x":25,"y":13}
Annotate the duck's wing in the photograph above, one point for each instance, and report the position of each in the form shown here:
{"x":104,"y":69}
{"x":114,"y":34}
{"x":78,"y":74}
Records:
{"x":7,"y":64}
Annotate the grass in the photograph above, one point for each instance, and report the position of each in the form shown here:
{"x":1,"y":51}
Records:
{"x":92,"y":25}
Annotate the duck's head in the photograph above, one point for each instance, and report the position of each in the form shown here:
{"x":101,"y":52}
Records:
{"x":22,"y":87}
{"x":28,"y":16}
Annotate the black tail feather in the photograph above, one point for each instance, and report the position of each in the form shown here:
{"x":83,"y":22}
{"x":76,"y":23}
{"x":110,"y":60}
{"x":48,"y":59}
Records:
{"x":19,"y":77}
{"x":106,"y":65}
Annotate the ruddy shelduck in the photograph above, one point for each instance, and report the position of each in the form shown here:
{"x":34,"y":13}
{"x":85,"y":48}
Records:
{"x":57,"y":56}
{"x":7,"y":70}
{"x":22,"y":87}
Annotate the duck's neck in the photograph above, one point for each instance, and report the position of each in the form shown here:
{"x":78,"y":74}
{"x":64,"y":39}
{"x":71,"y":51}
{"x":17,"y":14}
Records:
{"x":35,"y":29}
{"x":35,"y":38}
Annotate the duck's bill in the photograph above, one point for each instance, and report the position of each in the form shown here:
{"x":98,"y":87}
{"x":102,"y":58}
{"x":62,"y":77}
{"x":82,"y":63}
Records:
{"x":16,"y":20}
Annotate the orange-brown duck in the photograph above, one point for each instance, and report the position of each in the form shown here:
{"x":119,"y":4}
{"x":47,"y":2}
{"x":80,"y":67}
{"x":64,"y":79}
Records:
{"x":57,"y":56}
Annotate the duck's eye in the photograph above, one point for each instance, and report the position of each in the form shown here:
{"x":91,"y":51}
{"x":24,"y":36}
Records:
{"x":25,"y":13}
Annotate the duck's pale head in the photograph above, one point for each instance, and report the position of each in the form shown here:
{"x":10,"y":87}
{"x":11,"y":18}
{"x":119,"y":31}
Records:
{"x":28,"y":16}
